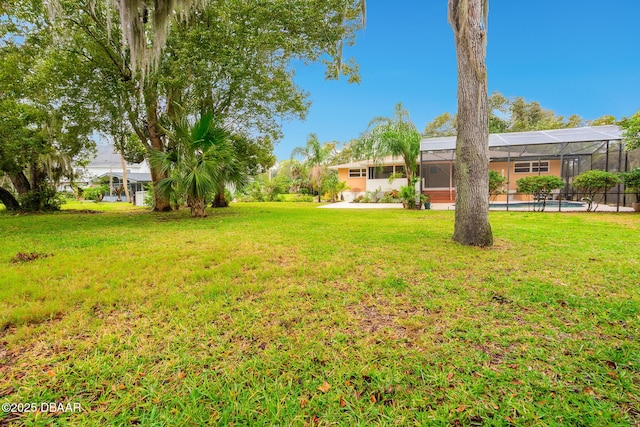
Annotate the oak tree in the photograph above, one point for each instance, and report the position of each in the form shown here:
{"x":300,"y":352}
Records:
{"x":469,"y":19}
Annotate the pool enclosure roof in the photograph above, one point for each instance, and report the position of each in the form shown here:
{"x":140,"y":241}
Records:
{"x":586,"y":134}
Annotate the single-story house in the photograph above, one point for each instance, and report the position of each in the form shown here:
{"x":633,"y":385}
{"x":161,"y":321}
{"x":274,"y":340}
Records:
{"x":108,"y":163}
{"x":135,"y":181}
{"x":371,"y":176}
{"x":560,"y":152}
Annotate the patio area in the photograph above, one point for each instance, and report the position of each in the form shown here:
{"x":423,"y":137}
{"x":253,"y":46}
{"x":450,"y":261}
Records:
{"x":452,"y":206}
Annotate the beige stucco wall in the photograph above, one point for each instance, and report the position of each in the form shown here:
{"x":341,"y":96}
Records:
{"x":502,"y":168}
{"x":356,"y":185}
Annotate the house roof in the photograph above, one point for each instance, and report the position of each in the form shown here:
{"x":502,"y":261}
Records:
{"x":106,"y":156}
{"x":569,"y":135}
{"x":131,"y":177}
{"x":443,"y":148}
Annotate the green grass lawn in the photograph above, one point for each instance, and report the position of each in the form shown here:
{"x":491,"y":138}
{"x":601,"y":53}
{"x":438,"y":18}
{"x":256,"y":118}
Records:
{"x":285,"y":314}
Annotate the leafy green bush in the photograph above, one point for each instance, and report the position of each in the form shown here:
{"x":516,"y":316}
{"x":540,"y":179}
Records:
{"x":301,"y":198}
{"x":149,"y":198}
{"x":496,"y":181}
{"x":264,"y":190}
{"x":631,"y":181}
{"x":254,"y":192}
{"x":593,"y":182}
{"x":66,"y":196}
{"x":388,"y":198}
{"x":410,"y":196}
{"x":372,"y":196}
{"x":95,"y":193}
{"x":540,"y":186}
{"x":395,"y":194}
{"x":44,"y":198}
{"x":272,"y":191}
{"x":228,"y":196}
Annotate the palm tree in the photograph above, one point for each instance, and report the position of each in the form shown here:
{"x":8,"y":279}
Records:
{"x":316,"y":155}
{"x":196,"y":164}
{"x":341,"y":188}
{"x":234,"y":172}
{"x":392,"y":136}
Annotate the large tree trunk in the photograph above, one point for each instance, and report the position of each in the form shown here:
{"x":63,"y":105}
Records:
{"x":161,"y":204}
{"x":198,"y":206}
{"x":8,"y":200}
{"x":20,"y":182}
{"x":468,"y":19}
{"x":125,"y":183}
{"x":219,"y":199}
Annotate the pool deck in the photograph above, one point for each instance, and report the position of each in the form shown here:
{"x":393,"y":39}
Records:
{"x":452,"y":206}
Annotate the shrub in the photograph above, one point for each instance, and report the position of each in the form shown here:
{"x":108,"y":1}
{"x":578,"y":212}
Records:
{"x":373,"y":196}
{"x":631,"y":181}
{"x":149,"y":199}
{"x":254,"y":193}
{"x":95,"y":193}
{"x":540,"y":186}
{"x":44,"y":198}
{"x":227,"y":195}
{"x":592,"y":182}
{"x":496,"y":181}
{"x":408,"y":195}
{"x":388,"y":198}
{"x":393,"y":193}
{"x":302,"y":198}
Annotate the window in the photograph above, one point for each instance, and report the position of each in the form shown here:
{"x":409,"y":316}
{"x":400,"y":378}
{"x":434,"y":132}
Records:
{"x":357,"y":173}
{"x":539,"y":166}
{"x":528,"y":167}
{"x":378,"y":172}
{"x":384,"y":172}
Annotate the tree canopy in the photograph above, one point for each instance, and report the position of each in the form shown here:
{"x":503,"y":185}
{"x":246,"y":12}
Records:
{"x":42,"y":126}
{"x":234,"y":59}
{"x":631,"y":131}
{"x":513,"y":114}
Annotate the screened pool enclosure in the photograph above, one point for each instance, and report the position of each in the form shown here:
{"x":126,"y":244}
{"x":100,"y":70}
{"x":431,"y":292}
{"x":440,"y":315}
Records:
{"x":562,"y":152}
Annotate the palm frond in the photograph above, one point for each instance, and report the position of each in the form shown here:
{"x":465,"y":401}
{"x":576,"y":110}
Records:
{"x":166,"y":187}
{"x":163,"y":160}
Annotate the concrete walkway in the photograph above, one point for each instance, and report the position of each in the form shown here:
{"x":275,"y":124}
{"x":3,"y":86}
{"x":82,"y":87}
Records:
{"x":451,"y":206}
{"x":349,"y":205}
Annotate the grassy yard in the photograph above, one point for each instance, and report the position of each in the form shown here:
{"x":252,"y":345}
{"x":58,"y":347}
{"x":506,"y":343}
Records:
{"x":285,"y":314}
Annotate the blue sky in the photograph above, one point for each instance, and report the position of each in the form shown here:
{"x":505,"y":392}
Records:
{"x":573,"y":57}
